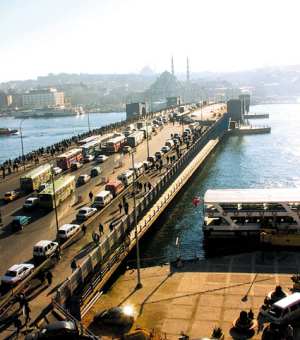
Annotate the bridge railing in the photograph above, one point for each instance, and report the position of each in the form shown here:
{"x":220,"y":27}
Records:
{"x":117,"y":243}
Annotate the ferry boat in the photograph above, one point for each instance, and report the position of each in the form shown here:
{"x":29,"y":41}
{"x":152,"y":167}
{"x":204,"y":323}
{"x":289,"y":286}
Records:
{"x":233,"y":213}
{"x":49,"y":112}
{"x":7,"y":131}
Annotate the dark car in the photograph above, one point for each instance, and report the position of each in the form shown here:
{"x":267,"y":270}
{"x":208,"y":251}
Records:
{"x":19,"y":222}
{"x":57,"y":330}
{"x":113,"y":321}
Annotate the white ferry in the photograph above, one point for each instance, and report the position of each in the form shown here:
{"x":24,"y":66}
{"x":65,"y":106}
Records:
{"x":231,"y":213}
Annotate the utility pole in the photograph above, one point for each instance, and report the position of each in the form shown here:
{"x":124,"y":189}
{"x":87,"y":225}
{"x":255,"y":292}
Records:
{"x":138,"y":261}
{"x":22,"y":145}
{"x":88,"y":117}
{"x":54,"y":198}
{"x":147,"y":135}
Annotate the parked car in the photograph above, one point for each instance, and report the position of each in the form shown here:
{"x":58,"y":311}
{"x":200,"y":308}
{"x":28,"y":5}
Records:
{"x":96,"y":171}
{"x":85,"y":213}
{"x":82,"y":179}
{"x":66,"y":330}
{"x":158,"y":154}
{"x":103,"y":198}
{"x":44,"y":249}
{"x":30,"y":203}
{"x":147,"y":165}
{"x":165,"y":149}
{"x":19,"y":222}
{"x":17,"y":273}
{"x":11,"y":195}
{"x":127,"y":149}
{"x":75,"y":166}
{"x":57,"y":170}
{"x":68,"y":230}
{"x":101,"y":158}
{"x":151,"y":159}
{"x":88,"y":158}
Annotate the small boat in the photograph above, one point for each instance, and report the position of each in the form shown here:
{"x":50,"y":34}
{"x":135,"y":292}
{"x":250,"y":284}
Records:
{"x":7,"y":131}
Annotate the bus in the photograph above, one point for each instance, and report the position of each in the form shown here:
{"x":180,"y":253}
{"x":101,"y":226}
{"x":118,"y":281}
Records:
{"x":90,"y":148}
{"x":88,"y":139}
{"x":115,"y":144}
{"x":65,"y":160}
{"x":34,"y":178}
{"x":64,"y":187}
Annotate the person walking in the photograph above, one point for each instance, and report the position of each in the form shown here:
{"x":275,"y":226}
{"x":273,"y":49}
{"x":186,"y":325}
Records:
{"x":145,"y":187}
{"x":49,"y":277}
{"x":149,"y":186}
{"x":83,"y":228}
{"x":26,"y":312}
{"x":73,"y":265}
{"x":120,"y":207}
{"x":91,"y":195}
{"x":101,"y":229}
{"x":111,"y":226}
{"x":126,"y":208}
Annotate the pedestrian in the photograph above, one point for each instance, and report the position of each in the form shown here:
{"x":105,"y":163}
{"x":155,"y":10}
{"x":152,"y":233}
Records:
{"x":145,"y":186}
{"x":101,"y":229}
{"x":26,"y":312}
{"x":22,"y":300}
{"x":149,"y":186}
{"x":83,"y":228}
{"x":41,"y":277}
{"x":95,"y":237}
{"x":120,"y":207}
{"x":91,"y":196}
{"x":73,"y":265}
{"x":18,"y":325}
{"x":168,"y":159}
{"x":49,"y":277}
{"x":126,"y":208}
{"x":111,"y":226}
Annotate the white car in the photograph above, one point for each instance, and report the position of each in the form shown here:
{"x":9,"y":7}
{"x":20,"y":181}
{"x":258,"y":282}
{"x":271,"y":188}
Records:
{"x":85,"y":212}
{"x":165,"y":149}
{"x":68,"y":230}
{"x":82,"y":179}
{"x":101,"y":158}
{"x":88,"y":158}
{"x":57,"y":170}
{"x":30,"y":203}
{"x":17,"y":273}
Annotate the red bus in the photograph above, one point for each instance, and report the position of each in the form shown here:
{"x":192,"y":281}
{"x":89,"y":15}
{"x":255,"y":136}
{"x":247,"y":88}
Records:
{"x":115,"y":144}
{"x":65,"y":160}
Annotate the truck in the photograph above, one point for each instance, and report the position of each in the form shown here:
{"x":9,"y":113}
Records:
{"x":135,"y":138}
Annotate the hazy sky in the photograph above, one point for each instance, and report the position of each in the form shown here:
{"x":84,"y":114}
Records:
{"x":121,"y":36}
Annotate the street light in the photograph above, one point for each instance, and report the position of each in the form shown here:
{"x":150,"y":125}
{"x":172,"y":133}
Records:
{"x":139,"y":283}
{"x":54,"y":198}
{"x":22,"y":146}
{"x":147,"y":136}
{"x":88,"y":117}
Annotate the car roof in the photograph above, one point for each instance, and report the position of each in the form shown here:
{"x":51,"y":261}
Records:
{"x":103,"y":193}
{"x":288,"y":301}
{"x":67,"y":226}
{"x":16,"y":267}
{"x":44,"y":243}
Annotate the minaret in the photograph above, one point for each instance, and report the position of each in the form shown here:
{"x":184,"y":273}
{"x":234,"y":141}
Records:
{"x":187,"y":69}
{"x":172,"y":67}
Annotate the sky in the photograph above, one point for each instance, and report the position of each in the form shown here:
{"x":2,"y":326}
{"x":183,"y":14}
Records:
{"x":38,"y":37}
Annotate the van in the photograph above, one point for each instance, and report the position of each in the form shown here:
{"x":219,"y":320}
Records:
{"x":170,"y":143}
{"x":68,"y":230}
{"x":283,"y":311}
{"x":44,"y":249}
{"x":102,"y":199}
{"x":115,"y":187}
{"x":126,"y":177}
{"x":138,"y":168}
{"x":96,"y":171}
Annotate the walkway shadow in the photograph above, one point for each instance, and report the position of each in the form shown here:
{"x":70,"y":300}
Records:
{"x":84,"y":251}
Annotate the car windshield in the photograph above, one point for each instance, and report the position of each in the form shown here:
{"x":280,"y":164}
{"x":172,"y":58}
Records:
{"x":29,"y":201}
{"x":82,"y":211}
{"x":11,"y":273}
{"x":61,"y":232}
{"x":8,"y":194}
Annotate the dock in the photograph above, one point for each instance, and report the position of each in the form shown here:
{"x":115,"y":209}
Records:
{"x":250,"y":130}
{"x":201,"y":294}
{"x":256,"y":116}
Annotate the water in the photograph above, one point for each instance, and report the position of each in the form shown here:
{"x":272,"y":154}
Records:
{"x":38,"y":132}
{"x":257,"y":161}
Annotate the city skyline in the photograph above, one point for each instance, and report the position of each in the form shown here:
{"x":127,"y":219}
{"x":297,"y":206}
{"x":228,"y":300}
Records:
{"x":106,"y":37}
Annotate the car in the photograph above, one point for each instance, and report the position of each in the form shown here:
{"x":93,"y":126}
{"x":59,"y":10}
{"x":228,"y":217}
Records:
{"x":44,"y":249}
{"x":68,"y":230}
{"x":75,"y":166}
{"x":88,"y":158}
{"x":17,"y":273}
{"x":57,"y":170}
{"x":18,"y":222}
{"x":151,"y":159}
{"x":82,"y":179}
{"x":58,"y":330}
{"x":127,"y":149}
{"x":30,"y":203}
{"x":85,"y":212}
{"x":95,"y":171}
{"x":10,"y":196}
{"x":147,"y":165}
{"x":101,"y":158}
{"x":42,"y":187}
{"x":158,"y":155}
{"x":165,"y":149}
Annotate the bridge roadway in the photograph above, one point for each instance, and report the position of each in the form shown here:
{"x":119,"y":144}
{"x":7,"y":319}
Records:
{"x":80,"y":249}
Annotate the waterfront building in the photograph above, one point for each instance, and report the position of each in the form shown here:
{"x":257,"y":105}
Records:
{"x":173,"y":101}
{"x":135,"y":109}
{"x":5,"y":99}
{"x":42,"y":98}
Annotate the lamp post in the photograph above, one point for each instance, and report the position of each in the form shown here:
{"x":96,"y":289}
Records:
{"x":88,"y":117}
{"x":139,"y":283}
{"x":54,"y":198}
{"x":22,"y":145}
{"x":147,"y":135}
